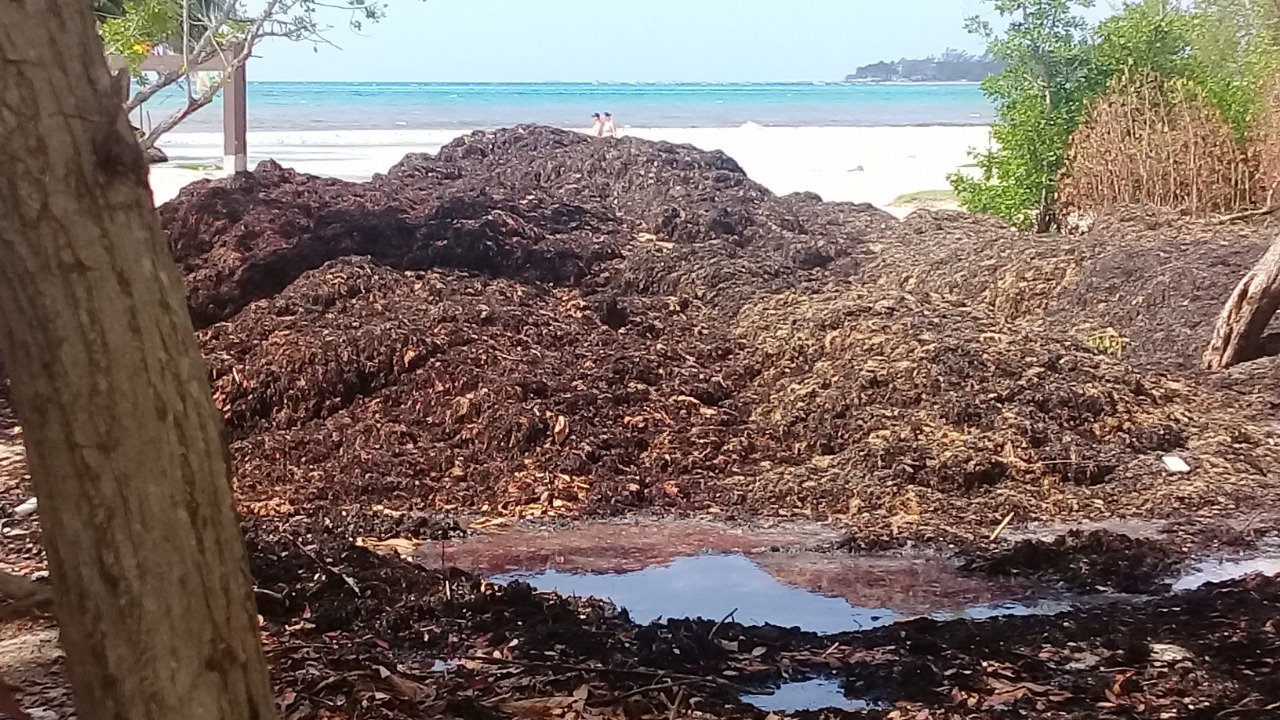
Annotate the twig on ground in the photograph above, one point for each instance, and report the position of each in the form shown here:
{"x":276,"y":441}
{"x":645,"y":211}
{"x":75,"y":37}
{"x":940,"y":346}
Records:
{"x":1000,"y":530}
{"x":261,"y":592}
{"x":328,"y":568}
{"x":675,"y":708}
{"x":638,"y":672}
{"x":650,"y":688}
{"x":1247,"y":214}
{"x":711,"y":635}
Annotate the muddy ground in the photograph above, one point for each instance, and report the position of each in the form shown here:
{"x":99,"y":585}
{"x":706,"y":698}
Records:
{"x":532,"y":330}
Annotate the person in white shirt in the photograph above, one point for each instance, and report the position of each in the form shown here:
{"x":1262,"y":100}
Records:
{"x":610,"y":127}
{"x":597,"y":125}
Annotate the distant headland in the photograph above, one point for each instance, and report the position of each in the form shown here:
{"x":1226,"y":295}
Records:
{"x":950,"y":66}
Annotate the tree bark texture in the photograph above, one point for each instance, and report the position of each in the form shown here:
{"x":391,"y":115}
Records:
{"x":1244,"y":319}
{"x":125,"y":447}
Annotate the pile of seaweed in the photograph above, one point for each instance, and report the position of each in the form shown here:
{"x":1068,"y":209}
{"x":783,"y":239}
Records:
{"x":535,"y":322}
{"x":362,"y":383}
{"x":1095,"y":561}
{"x":1154,"y":279}
{"x":908,"y":414}
{"x":249,"y":237}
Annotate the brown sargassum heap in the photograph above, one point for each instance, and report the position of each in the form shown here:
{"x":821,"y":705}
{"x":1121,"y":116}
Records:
{"x":534,"y":322}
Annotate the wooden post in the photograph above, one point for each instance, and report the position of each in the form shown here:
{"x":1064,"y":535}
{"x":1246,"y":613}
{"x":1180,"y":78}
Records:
{"x":235,"y":145}
{"x":235,"y":122}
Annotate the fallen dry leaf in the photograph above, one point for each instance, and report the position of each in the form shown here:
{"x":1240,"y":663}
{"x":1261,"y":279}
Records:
{"x":402,"y":546}
{"x":408,"y":689}
{"x":560,"y":429}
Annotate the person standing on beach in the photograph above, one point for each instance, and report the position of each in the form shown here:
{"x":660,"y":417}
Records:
{"x":610,"y":127}
{"x":597,"y":125}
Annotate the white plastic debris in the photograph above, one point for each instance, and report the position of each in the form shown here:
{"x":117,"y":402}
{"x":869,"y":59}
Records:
{"x":25,"y":509}
{"x":1175,"y":464}
{"x":1161,"y":652}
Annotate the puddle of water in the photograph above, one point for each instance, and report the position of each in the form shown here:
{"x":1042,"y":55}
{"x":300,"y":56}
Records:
{"x":1224,"y":570}
{"x":916,"y":586}
{"x":713,"y":586}
{"x":1006,"y":609}
{"x":819,"y":694}
{"x":611,"y":547}
{"x":698,"y":569}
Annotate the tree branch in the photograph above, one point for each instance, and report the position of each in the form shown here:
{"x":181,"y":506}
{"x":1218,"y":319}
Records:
{"x":1247,"y":214}
{"x":150,"y":91}
{"x":289,"y":19}
{"x":208,"y":44}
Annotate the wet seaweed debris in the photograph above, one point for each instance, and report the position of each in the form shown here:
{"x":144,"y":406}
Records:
{"x":250,"y":236}
{"x":361,"y":634}
{"x":1094,"y":561}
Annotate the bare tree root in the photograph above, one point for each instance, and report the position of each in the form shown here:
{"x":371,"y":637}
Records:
{"x":1246,"y":314}
{"x":24,"y":598}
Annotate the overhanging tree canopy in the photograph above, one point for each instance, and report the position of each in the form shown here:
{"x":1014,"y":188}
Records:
{"x":201,"y":32}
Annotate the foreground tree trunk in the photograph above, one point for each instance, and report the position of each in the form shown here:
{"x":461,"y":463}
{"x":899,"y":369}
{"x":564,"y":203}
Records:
{"x":152,"y":591}
{"x":1248,"y":311}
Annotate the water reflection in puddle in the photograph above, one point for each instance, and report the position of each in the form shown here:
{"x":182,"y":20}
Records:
{"x":713,"y":586}
{"x":612,"y":547}
{"x":819,"y":694}
{"x":1006,"y":609}
{"x":1224,"y":570}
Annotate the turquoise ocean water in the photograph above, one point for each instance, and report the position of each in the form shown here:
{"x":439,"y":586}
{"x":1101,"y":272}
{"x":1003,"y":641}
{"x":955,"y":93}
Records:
{"x":287,"y":106}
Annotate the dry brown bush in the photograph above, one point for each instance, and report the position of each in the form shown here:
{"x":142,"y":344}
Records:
{"x":1264,"y":145}
{"x":1154,"y":142}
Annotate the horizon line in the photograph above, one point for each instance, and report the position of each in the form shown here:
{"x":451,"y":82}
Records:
{"x":626,"y":82}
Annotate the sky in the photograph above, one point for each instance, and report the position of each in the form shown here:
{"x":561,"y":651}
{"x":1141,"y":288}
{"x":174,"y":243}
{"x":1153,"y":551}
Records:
{"x":623,"y":40}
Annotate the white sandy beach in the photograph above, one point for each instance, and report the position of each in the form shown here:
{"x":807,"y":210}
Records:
{"x":855,"y":164}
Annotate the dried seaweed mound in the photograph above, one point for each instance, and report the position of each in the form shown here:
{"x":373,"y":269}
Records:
{"x":707,"y":230}
{"x":500,"y":329}
{"x":249,"y":237}
{"x":902,"y":411}
{"x":1156,"y":280}
{"x":678,"y":192}
{"x":915,"y":392}
{"x":448,"y":390}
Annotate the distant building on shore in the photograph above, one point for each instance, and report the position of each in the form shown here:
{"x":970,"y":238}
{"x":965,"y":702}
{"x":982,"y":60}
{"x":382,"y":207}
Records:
{"x":950,"y":66}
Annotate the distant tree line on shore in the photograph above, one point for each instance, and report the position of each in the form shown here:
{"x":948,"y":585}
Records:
{"x":950,"y":66}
